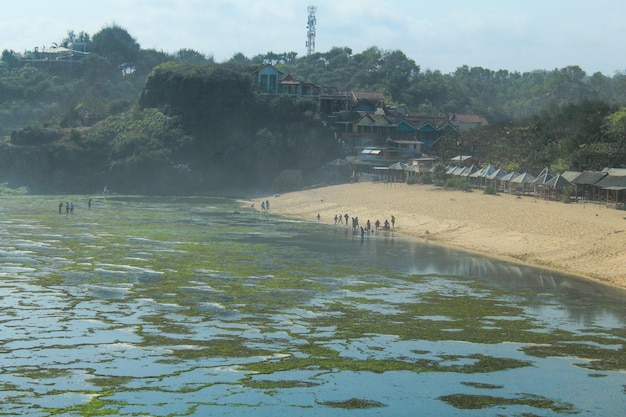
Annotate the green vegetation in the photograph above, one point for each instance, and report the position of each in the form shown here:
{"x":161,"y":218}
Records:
{"x":353,"y":404}
{"x":473,"y":402}
{"x":143,"y":121}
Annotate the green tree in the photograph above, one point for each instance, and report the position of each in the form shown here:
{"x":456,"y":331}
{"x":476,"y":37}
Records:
{"x":10,"y":58}
{"x":118,"y":47}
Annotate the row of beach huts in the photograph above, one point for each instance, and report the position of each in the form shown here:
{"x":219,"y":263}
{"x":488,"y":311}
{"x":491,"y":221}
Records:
{"x":607,"y":186}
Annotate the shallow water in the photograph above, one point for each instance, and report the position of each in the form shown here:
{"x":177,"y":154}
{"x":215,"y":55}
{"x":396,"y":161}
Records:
{"x":195,"y":306}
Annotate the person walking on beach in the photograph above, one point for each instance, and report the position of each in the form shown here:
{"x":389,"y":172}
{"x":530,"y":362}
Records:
{"x":345,"y":216}
{"x":393,"y":222}
{"x":262,"y":205}
{"x":336,"y":219}
{"x":267,"y":204}
{"x":377,"y":224}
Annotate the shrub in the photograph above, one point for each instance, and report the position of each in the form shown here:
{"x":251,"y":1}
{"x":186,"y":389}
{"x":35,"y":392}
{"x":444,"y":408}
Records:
{"x":458,"y":183}
{"x":491,"y":190}
{"x":425,"y":178}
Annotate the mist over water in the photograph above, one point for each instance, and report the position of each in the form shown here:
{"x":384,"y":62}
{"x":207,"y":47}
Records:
{"x":196,"y":306}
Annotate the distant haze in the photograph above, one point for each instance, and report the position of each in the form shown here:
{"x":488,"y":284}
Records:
{"x":444,"y":35}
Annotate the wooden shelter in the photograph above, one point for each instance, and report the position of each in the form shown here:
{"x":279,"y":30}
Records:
{"x":613,"y":189}
{"x":553,"y":188}
{"x":585,"y":185}
{"x":506,"y":180}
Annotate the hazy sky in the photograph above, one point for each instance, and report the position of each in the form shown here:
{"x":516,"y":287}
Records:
{"x":439,"y":35}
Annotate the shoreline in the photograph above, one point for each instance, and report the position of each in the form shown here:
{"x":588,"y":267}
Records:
{"x":583,"y":239}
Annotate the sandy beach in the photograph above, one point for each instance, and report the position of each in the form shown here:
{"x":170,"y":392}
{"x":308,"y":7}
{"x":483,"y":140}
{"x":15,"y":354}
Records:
{"x":584,"y":239}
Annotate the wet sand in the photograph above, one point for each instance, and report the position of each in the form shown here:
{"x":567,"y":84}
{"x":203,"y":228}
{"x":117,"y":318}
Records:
{"x":584,"y":239}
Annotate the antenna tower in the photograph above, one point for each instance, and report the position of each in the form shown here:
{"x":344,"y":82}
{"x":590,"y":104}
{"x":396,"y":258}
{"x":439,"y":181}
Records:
{"x":310,"y":33}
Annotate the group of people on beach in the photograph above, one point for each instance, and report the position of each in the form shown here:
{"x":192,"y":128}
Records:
{"x":69,"y":207}
{"x":339,"y":219}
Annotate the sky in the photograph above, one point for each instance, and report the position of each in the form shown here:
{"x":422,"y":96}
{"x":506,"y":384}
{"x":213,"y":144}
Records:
{"x":439,"y":35}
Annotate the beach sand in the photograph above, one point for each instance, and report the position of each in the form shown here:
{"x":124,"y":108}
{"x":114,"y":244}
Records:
{"x":584,"y":239}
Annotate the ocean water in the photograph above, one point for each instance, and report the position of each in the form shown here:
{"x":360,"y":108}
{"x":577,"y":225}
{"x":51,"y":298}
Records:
{"x":198,"y":307}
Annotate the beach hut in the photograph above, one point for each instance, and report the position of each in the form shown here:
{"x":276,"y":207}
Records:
{"x":398,"y":170}
{"x":339,"y":169}
{"x":556,"y":185}
{"x":539,"y":182}
{"x":585,"y":185}
{"x":613,"y":189}
{"x":522,"y":182}
{"x":479,"y":177}
{"x":506,"y":180}
{"x":496,"y":177}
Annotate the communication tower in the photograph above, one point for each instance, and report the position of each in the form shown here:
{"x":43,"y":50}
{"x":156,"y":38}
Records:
{"x":310,"y":33}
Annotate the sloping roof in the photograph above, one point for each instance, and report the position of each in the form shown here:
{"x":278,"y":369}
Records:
{"x":469,"y":171}
{"x":524,"y":178}
{"x":458,"y":170}
{"x":267,"y":66}
{"x":589,"y":177}
{"x":338,"y":163}
{"x":544,"y":176}
{"x":483,"y":172}
{"x":510,"y":176}
{"x":615,"y":171}
{"x":398,"y":166}
{"x":368,"y":95}
{"x":289,"y":80}
{"x":557,"y":181}
{"x":498,"y":174}
{"x":460,"y":158}
{"x":612,"y":181}
{"x":571,"y":175}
